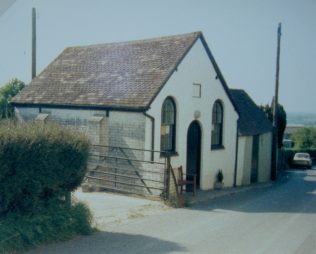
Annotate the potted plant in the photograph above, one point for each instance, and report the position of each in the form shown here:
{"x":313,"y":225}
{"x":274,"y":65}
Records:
{"x":219,"y":179}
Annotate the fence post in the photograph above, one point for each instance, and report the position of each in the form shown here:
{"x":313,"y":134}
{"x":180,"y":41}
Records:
{"x":168,"y":169}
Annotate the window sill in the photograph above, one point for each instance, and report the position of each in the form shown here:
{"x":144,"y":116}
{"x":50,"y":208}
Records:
{"x":171,"y":154}
{"x":217,"y":147}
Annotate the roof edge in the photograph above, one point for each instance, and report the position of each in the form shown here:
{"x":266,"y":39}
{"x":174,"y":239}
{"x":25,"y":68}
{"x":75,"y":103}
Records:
{"x":73,"y":106}
{"x":127,"y":42}
{"x":197,"y":36}
{"x":243,"y":134}
{"x":218,"y":72}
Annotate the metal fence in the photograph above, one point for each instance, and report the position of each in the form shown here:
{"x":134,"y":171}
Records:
{"x":129,"y":170}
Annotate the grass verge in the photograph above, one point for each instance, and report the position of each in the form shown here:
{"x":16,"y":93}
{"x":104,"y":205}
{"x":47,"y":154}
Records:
{"x":53,"y":224}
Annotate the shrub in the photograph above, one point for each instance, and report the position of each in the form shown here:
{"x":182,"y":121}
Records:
{"x":7,"y":92}
{"x":305,"y":138}
{"x":39,"y":166}
{"x":39,"y":163}
{"x":220,"y":176}
{"x":282,"y":119}
{"x":55,"y":223}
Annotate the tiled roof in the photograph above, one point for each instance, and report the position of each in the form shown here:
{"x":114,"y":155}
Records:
{"x":252,"y":120}
{"x":125,"y":75}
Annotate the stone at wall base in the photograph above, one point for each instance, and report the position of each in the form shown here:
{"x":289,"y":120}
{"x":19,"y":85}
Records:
{"x":218,"y":185}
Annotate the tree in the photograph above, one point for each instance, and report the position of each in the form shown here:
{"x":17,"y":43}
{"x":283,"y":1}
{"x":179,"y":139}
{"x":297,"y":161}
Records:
{"x":305,"y":138}
{"x":268,"y":110}
{"x":7,"y":92}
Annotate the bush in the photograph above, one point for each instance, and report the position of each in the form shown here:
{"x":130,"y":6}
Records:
{"x":56,"y":223}
{"x":282,"y":119}
{"x":39,"y":163}
{"x":39,"y":166}
{"x":219,"y":176}
{"x":305,"y":138}
{"x":7,"y":92}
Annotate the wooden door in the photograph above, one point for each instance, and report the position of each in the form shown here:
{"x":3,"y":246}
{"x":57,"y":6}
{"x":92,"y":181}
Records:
{"x":255,"y":159}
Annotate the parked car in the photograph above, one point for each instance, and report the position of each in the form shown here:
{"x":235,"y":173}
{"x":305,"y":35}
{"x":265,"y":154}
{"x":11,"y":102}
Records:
{"x":302,"y":160}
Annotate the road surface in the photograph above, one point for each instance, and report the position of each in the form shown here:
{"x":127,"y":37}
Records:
{"x":278,"y":219}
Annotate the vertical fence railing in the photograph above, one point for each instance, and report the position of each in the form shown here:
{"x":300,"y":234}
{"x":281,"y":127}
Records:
{"x":167,"y":176}
{"x":129,"y":170}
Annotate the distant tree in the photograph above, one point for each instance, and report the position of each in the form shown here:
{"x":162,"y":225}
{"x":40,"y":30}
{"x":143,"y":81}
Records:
{"x":268,"y":110}
{"x":7,"y":92}
{"x":305,"y":138}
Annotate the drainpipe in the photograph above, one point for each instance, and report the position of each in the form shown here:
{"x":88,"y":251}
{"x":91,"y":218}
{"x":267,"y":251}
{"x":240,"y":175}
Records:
{"x":236,"y":157}
{"x":152,"y":119}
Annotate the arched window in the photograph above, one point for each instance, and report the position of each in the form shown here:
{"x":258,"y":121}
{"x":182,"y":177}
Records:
{"x":217,"y":125}
{"x":168,"y":126}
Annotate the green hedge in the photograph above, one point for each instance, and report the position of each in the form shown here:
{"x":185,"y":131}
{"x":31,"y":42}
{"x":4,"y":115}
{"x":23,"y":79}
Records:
{"x":55,"y":223}
{"x":38,"y":164}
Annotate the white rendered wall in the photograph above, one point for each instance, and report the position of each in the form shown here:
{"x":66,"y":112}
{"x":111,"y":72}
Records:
{"x":196,"y":67}
{"x":265,"y":146}
{"x":245,"y":158}
{"x":240,"y":160}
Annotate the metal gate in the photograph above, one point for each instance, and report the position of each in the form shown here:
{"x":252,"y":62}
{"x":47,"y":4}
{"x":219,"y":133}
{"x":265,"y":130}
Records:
{"x":128,"y":170}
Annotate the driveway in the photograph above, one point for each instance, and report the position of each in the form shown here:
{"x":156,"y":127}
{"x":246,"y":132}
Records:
{"x":110,"y":209}
{"x":278,"y":219}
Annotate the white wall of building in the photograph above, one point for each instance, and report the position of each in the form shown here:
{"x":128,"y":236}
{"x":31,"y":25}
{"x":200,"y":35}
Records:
{"x":265,"y":144}
{"x":245,"y":158}
{"x":196,"y":67}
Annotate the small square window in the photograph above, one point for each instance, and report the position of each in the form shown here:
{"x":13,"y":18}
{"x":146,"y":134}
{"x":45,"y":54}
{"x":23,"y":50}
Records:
{"x":196,"y":90}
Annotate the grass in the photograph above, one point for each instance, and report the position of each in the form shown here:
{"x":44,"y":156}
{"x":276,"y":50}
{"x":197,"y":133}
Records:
{"x":177,"y":202}
{"x":23,"y":232}
{"x":135,"y":215}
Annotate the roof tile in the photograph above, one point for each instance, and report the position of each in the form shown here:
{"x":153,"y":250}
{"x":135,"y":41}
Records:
{"x":126,"y":74}
{"x":252,"y":120}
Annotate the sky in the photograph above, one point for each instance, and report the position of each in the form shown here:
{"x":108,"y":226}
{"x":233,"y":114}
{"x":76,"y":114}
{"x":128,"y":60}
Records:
{"x":4,"y":5}
{"x":242,"y":35}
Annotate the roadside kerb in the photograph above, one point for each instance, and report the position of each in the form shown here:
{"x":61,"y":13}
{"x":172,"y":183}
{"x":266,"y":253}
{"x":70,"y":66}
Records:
{"x":204,"y":196}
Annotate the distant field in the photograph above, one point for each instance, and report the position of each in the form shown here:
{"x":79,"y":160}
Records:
{"x":307,"y":119}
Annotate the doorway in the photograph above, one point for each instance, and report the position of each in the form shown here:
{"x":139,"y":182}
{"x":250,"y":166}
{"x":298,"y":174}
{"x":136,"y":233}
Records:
{"x":194,"y":152}
{"x":255,"y":159}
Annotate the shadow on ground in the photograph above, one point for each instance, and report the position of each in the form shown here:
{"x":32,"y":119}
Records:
{"x":107,"y":242}
{"x":294,"y":193}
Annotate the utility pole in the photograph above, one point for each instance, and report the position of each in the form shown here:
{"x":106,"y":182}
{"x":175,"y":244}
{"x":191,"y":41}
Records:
{"x":274,"y":166}
{"x":33,"y":43}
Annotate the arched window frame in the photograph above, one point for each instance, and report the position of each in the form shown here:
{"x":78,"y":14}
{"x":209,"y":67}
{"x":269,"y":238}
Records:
{"x":168,"y":126}
{"x":217,"y":125}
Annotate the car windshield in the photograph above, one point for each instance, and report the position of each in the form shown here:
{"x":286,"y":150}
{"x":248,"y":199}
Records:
{"x":302,"y":155}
